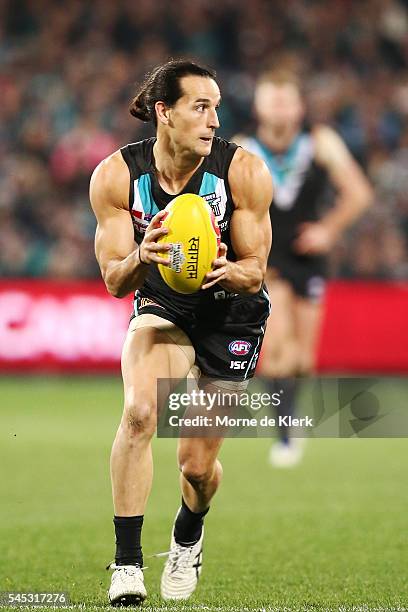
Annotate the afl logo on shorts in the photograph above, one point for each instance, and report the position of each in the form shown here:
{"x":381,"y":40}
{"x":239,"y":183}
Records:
{"x":239,"y":347}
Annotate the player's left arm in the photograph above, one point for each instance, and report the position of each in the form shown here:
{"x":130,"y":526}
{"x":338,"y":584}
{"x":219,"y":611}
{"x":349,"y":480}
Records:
{"x":354,"y":193}
{"x":250,"y":227}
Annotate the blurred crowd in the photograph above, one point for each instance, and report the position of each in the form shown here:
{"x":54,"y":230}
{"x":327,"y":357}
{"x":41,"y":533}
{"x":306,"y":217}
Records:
{"x":69,"y":68}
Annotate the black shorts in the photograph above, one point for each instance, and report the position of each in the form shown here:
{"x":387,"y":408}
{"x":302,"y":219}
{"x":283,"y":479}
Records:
{"x":226,"y":334}
{"x":306,"y":275}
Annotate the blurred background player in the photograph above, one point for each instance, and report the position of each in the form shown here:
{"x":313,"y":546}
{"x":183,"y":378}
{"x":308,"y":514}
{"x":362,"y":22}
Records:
{"x":303,"y":160}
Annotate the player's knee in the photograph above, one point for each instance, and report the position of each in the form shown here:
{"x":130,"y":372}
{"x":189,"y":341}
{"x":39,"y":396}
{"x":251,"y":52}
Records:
{"x":305,"y":367}
{"x":306,"y":364}
{"x":281,"y":368}
{"x":139,"y":416}
{"x":140,"y":421}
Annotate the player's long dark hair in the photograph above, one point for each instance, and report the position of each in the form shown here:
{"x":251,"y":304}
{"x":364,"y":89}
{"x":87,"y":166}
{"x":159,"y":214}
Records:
{"x":163,"y":84}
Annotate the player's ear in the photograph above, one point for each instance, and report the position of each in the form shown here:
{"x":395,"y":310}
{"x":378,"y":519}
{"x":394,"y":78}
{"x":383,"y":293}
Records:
{"x":162,"y":112}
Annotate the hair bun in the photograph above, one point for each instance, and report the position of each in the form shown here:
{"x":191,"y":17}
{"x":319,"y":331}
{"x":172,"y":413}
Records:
{"x":139,"y":109}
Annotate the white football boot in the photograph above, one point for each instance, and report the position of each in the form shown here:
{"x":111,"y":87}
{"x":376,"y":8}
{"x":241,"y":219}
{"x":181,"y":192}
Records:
{"x":182,"y":570}
{"x":127,"y":585}
{"x":287,"y":454}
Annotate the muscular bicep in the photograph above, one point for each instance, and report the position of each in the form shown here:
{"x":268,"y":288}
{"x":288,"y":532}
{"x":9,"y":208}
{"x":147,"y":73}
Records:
{"x":114,"y":238}
{"x":252,"y":192}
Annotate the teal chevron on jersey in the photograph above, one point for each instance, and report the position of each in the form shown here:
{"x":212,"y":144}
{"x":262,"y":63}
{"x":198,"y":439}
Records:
{"x":281,"y":165}
{"x":208,"y":184}
{"x":143,"y":201}
{"x":288,"y":169}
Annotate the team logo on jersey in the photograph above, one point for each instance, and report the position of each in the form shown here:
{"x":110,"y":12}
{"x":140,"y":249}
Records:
{"x":215,"y":202}
{"x":239,"y":347}
{"x":141,"y":220}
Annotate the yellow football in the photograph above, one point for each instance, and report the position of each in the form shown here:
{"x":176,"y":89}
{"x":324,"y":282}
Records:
{"x":195,"y":237}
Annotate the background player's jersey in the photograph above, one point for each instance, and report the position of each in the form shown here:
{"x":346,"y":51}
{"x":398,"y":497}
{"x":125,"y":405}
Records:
{"x":147,"y":197}
{"x":299,"y":183}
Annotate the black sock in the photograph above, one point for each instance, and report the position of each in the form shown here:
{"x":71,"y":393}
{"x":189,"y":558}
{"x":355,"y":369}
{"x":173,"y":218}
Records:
{"x":128,"y":531}
{"x":287,"y":405}
{"x":188,"y":525}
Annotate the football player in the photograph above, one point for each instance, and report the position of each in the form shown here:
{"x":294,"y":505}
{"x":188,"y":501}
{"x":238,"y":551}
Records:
{"x":171,"y":334}
{"x":302,"y":160}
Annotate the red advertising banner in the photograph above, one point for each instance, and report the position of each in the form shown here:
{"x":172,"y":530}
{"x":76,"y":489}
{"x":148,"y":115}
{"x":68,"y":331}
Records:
{"x":61,"y":326}
{"x":365,"y":328}
{"x":76,"y":326}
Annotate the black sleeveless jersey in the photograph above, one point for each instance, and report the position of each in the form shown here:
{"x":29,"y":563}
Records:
{"x":147,"y":197}
{"x":299,"y":183}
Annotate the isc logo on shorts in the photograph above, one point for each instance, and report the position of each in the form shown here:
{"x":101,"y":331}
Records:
{"x":239,"y":347}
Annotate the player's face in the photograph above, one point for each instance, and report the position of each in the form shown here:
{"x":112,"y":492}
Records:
{"x":278,"y":106}
{"x":193,"y":119}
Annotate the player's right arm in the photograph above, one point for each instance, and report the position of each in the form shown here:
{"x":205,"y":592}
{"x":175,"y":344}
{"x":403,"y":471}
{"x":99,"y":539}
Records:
{"x":354,"y":194}
{"x":123,"y":265}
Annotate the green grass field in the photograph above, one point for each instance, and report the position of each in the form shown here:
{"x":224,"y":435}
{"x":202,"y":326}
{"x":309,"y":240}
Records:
{"x":331,"y":533}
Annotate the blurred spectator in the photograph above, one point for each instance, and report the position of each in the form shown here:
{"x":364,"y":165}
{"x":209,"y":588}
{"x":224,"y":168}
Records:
{"x":67,"y":72}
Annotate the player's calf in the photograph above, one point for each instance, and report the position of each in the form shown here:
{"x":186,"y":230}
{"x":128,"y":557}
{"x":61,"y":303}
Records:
{"x":197,"y":473}
{"x":199,"y":483}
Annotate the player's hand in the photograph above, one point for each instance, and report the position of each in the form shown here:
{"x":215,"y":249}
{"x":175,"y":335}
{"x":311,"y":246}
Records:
{"x":313,"y":239}
{"x":219,"y":268}
{"x":149,"y":249}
